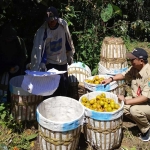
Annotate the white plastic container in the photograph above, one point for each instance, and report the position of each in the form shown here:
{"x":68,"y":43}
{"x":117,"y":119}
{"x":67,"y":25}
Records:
{"x":60,"y":120}
{"x":103,"y":129}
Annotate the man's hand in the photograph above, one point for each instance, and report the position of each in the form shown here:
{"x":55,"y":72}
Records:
{"x":122,"y":98}
{"x":106,"y":81}
{"x":42,"y":67}
{"x":69,"y":57}
{"x":69,"y":60}
{"x":28,"y":66}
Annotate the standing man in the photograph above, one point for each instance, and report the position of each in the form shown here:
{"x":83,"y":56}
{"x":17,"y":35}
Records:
{"x":13,"y":54}
{"x":137,"y":107}
{"x":53,"y":48}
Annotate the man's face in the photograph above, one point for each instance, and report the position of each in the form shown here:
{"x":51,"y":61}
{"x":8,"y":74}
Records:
{"x":136,"y":63}
{"x":52,"y":23}
{"x":52,"y":20}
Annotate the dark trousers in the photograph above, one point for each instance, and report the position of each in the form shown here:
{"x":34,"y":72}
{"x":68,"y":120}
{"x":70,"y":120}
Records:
{"x":6,"y":68}
{"x":62,"y":89}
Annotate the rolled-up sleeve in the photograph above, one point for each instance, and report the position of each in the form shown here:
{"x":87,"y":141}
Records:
{"x":126,"y":72}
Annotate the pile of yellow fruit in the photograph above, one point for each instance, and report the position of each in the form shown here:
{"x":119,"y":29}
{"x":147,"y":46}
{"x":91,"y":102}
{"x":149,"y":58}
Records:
{"x":100,"y":103}
{"x":95,"y":80}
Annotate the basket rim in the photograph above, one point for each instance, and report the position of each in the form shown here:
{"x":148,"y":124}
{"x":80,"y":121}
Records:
{"x":112,"y":113}
{"x":59,"y":122}
{"x":100,"y":75}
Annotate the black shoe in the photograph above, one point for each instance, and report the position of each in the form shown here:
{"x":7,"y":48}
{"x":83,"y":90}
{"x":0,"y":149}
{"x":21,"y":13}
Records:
{"x":146,"y":136}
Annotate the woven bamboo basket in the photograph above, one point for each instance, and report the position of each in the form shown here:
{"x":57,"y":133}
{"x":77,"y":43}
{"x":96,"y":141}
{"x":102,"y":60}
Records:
{"x":113,"y":54}
{"x":113,"y":60}
{"x":112,"y":87}
{"x":114,"y":91}
{"x":23,"y":103}
{"x":103,"y":130}
{"x":60,"y":120}
{"x":120,"y":90}
{"x":76,"y":81}
{"x":4,"y":79}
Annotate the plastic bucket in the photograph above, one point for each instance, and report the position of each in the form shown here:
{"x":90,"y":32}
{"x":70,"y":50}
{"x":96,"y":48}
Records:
{"x":60,"y":120}
{"x":23,"y":103}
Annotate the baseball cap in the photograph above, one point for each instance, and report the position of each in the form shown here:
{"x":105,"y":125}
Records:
{"x":52,"y":14}
{"x":137,"y":53}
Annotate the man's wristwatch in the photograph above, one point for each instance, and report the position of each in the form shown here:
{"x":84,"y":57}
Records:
{"x":112,"y":79}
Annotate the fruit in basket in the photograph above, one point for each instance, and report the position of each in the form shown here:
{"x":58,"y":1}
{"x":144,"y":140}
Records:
{"x":95,"y":80}
{"x":100,"y":103}
{"x":84,"y":99}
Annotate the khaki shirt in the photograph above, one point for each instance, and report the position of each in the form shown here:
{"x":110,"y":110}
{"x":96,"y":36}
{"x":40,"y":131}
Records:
{"x":139,"y":80}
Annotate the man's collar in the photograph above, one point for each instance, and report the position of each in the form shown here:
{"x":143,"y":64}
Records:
{"x":142,"y":71}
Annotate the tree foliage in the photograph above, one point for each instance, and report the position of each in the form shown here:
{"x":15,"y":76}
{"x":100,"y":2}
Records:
{"x":89,"y":22}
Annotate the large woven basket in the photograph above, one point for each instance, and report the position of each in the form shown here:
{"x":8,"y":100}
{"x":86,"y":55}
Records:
{"x":113,"y":55}
{"x":76,"y":81}
{"x":23,"y":103}
{"x":103,"y":130}
{"x":100,"y":87}
{"x":60,"y":120}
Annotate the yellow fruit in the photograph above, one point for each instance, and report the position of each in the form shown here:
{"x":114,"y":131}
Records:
{"x":117,"y":106}
{"x":101,"y":103}
{"x":87,"y":105}
{"x":94,"y":106}
{"x":112,"y":105}
{"x":96,"y":78}
{"x":106,"y":100}
{"x":92,"y":101}
{"x":87,"y":81}
{"x":83,"y":103}
{"x":103,"y":95}
{"x":95,"y":109}
{"x":109,"y":109}
{"x":100,"y":110}
{"x":90,"y":107}
{"x":98,"y":97}
{"x":112,"y":101}
{"x":84,"y":99}
{"x":96,"y":82}
{"x":103,"y":99}
{"x":105,"y":103}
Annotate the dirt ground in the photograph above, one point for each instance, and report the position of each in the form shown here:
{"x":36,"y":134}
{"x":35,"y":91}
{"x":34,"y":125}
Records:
{"x":130,"y":139}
